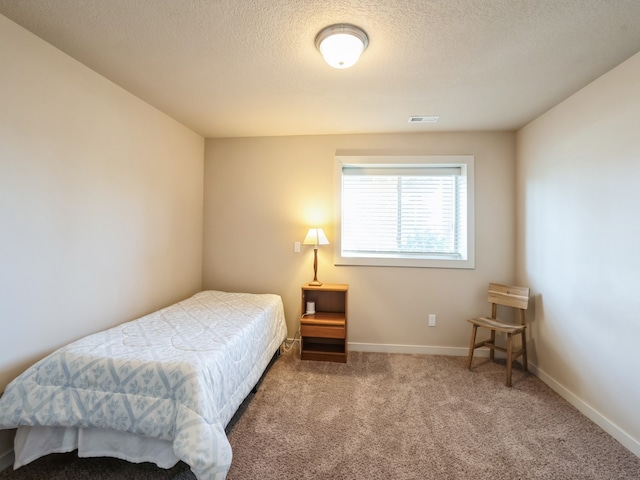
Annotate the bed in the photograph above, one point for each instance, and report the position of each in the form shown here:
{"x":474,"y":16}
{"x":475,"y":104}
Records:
{"x":161,"y":388}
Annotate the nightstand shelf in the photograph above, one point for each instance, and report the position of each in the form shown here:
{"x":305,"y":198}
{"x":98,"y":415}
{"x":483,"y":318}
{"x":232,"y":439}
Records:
{"x":323,"y":335}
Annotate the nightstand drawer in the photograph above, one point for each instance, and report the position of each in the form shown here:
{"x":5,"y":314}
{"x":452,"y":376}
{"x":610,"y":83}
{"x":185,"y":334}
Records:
{"x":322,"y":331}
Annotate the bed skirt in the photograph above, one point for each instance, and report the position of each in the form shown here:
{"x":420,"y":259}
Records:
{"x":32,"y":443}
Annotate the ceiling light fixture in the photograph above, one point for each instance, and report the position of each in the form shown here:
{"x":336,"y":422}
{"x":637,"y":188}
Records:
{"x":342,"y":44}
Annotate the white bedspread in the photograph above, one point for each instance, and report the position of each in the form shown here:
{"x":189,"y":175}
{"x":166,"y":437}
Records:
{"x":178,"y":374}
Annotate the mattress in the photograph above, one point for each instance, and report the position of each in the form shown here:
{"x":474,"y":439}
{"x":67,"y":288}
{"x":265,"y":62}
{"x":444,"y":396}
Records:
{"x":177,"y":375}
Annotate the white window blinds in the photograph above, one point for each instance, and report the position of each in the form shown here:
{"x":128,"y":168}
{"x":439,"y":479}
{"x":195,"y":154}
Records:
{"x":404,"y":211}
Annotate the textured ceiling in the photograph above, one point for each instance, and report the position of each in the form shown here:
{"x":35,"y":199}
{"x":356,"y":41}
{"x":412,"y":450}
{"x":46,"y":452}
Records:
{"x":250,"y":67}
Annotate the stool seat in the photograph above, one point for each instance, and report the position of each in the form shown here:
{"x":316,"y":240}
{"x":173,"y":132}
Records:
{"x":496,"y":324}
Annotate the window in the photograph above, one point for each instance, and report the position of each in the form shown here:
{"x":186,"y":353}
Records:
{"x":412,"y":211}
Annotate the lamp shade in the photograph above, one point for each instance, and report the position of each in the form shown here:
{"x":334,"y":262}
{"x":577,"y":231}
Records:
{"x":316,"y":237}
{"x":341,"y":45}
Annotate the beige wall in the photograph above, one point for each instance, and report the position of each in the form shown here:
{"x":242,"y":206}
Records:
{"x":100,"y":203}
{"x":577,"y":242}
{"x":262,"y":194}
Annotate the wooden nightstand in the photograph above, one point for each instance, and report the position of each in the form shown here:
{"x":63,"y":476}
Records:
{"x":323,"y":335}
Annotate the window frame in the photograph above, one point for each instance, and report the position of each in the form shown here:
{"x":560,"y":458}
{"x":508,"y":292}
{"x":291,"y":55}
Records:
{"x":465,"y":161}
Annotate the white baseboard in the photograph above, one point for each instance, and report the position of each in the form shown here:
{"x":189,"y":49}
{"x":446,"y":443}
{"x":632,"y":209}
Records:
{"x":630,"y":443}
{"x":419,"y":349}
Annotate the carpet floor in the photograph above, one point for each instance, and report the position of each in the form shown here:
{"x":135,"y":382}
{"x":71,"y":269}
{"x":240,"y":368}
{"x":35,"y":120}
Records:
{"x":391,"y":416}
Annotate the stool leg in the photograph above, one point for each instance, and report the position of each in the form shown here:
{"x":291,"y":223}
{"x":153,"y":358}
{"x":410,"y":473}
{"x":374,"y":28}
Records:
{"x":509,"y":345}
{"x":525,"y":365}
{"x":492,"y":352}
{"x":471,"y":346}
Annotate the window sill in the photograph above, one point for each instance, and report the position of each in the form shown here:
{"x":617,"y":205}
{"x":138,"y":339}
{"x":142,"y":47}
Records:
{"x":439,"y":262}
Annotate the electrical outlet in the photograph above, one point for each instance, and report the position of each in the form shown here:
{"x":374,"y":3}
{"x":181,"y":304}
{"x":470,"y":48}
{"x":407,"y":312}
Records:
{"x":432,"y":320}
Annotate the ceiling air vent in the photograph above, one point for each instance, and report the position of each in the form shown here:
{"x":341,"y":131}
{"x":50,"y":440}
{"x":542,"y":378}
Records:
{"x":424,"y":119}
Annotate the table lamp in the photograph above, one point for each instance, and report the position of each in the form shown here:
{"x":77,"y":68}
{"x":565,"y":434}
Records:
{"x":315,"y":237}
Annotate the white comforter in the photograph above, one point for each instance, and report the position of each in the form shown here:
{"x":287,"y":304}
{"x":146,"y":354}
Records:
{"x":178,"y":374}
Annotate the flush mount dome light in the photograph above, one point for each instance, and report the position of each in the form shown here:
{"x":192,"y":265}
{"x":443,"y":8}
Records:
{"x":342,"y":44}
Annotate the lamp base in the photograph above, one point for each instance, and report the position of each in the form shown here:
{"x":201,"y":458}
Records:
{"x":315,"y":283}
